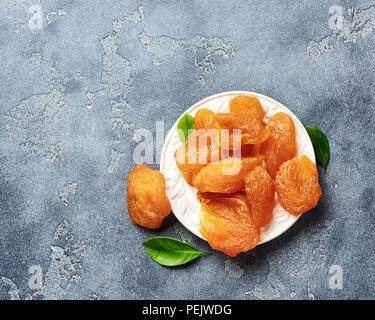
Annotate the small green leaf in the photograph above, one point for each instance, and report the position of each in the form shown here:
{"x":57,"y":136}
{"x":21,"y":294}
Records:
{"x":185,"y":126}
{"x":320,"y":144}
{"x":171,"y":252}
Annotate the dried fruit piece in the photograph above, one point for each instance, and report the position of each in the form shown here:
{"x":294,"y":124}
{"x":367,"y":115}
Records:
{"x":246,"y":150}
{"x":297,"y":185}
{"x":225,"y":176}
{"x":199,"y":149}
{"x":244,"y":104}
{"x":253,"y":130}
{"x":255,"y":151}
{"x":260,"y":191}
{"x":204,"y":119}
{"x":148,"y":204}
{"x":226,"y":223}
{"x":281,"y":144}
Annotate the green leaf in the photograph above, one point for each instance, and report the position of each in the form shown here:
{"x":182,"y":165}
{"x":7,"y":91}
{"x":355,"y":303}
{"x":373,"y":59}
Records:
{"x":320,"y":144}
{"x":185,"y":126}
{"x":171,"y":252}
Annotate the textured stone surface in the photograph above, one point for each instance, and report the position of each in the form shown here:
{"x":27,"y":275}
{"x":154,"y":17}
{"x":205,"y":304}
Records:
{"x":74,"y":92}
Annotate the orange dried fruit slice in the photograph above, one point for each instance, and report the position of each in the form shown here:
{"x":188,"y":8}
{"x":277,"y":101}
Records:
{"x":297,"y":185}
{"x":225,"y":176}
{"x":255,"y":151}
{"x":281,"y":144}
{"x":246,"y":150}
{"x":226,"y":223}
{"x":204,"y":119}
{"x":253,"y":130}
{"x":246,"y":104}
{"x":200,"y":148}
{"x":260,"y":191}
{"x":148,"y":204}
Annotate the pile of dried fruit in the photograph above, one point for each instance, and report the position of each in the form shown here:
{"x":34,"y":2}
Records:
{"x":236,"y":205}
{"x":239,"y":165}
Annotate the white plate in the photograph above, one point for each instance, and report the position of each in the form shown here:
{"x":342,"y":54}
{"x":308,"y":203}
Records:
{"x":182,"y":196}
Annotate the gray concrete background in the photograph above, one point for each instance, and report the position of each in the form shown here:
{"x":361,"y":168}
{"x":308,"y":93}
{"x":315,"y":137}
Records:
{"x":73,"y":93}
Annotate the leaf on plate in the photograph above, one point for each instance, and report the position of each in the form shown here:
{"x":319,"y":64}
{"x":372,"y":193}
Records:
{"x":171,"y":252}
{"x":320,"y":144}
{"x":185,"y":126}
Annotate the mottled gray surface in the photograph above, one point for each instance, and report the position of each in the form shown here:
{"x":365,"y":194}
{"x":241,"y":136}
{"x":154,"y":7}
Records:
{"x":73,"y":93}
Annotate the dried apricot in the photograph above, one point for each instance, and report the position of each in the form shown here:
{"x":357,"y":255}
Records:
{"x":226,"y":223}
{"x":148,"y":204}
{"x":297,"y":185}
{"x":225,"y":176}
{"x":253,"y":130}
{"x":260,"y":191}
{"x":200,"y":148}
{"x":246,"y":150}
{"x":245,"y":104}
{"x":281,"y":144}
{"x":255,"y":151}
{"x":204,"y":119}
